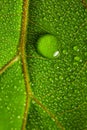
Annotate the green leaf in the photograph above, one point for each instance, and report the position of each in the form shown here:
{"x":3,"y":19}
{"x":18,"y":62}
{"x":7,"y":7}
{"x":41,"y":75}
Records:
{"x":38,"y":93}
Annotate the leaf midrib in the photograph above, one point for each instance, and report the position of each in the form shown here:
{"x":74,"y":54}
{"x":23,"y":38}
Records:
{"x":22,"y":46}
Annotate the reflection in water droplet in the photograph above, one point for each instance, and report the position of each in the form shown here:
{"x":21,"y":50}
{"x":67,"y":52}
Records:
{"x":56,"y":54}
{"x":47,"y":46}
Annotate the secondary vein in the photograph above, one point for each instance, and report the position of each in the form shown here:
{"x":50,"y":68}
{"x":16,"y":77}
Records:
{"x":5,"y":67}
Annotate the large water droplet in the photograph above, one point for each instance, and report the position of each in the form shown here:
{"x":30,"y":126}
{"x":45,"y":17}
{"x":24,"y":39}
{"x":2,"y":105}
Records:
{"x":47,"y":46}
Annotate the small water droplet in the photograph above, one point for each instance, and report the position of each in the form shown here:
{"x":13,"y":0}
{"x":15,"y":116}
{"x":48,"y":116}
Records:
{"x":65,"y":23}
{"x":85,"y":53}
{"x":8,"y":108}
{"x":75,"y":48}
{"x":75,"y":63}
{"x":53,"y":119}
{"x":47,"y":46}
{"x":15,"y":87}
{"x":33,"y":101}
{"x":77,"y":58}
{"x":18,"y":117}
{"x":61,"y":77}
{"x":64,"y":51}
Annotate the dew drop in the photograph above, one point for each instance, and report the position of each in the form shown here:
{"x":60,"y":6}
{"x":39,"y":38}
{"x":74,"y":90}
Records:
{"x":53,"y":119}
{"x":15,"y":87}
{"x":75,"y":48}
{"x":18,"y":117}
{"x":47,"y":46}
{"x":85,"y":53}
{"x":8,"y":108}
{"x":77,"y":58}
{"x":64,"y":51}
{"x":61,"y":77}
{"x":33,"y":101}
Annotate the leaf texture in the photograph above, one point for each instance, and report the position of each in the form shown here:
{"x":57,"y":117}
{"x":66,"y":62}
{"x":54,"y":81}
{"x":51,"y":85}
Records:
{"x":56,"y":89}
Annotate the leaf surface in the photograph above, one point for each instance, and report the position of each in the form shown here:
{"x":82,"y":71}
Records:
{"x":59,"y":86}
